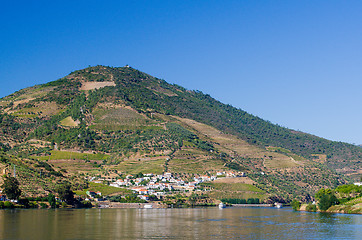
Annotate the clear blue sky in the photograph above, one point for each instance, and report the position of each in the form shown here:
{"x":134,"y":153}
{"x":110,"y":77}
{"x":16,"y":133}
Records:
{"x":295,"y":63}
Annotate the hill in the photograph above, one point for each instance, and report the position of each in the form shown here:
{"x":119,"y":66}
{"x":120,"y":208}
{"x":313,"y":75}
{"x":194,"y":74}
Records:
{"x":108,"y":122}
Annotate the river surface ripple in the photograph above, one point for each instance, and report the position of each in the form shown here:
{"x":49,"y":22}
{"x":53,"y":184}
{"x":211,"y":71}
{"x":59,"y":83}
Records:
{"x":196,"y":223}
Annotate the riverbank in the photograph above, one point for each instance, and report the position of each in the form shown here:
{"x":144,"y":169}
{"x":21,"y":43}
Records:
{"x":347,"y":209}
{"x":107,"y":204}
{"x":252,"y":205}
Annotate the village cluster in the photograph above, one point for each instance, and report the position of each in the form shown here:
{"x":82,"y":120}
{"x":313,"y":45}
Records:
{"x":160,"y":185}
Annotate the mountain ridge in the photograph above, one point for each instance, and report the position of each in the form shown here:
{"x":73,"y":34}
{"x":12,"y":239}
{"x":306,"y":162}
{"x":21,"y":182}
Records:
{"x":127,"y":113}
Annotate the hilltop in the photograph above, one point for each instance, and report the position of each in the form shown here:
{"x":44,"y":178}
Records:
{"x":105,"y":122}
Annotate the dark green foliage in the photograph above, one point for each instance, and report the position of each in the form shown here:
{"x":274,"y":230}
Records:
{"x":45,"y":165}
{"x":137,"y":140}
{"x":150,"y":139}
{"x":43,"y":205}
{"x":59,"y":82}
{"x":252,"y":201}
{"x":10,"y":126}
{"x":153,"y":198}
{"x":38,"y":199}
{"x":3,"y":157}
{"x":326,"y":201}
{"x":132,"y":198}
{"x":322,"y":192}
{"x":85,"y":204}
{"x":181,"y":134}
{"x":64,"y":92}
{"x":295,"y":205}
{"x":24,"y":202}
{"x":11,"y":188}
{"x":233,"y":200}
{"x":311,"y":207}
{"x":65,"y":193}
{"x":8,"y":204}
{"x":327,"y":198}
{"x":51,"y":200}
{"x":79,"y":105}
{"x":4,"y":147}
{"x":347,"y":189}
{"x":139,"y":175}
{"x":235,"y":166}
{"x":81,"y":137}
{"x":48,"y":168}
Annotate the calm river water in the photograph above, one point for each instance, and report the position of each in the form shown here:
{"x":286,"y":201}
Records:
{"x":198,"y":223}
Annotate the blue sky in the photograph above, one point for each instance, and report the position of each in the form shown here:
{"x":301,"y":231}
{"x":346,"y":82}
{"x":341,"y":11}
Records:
{"x":295,"y":63}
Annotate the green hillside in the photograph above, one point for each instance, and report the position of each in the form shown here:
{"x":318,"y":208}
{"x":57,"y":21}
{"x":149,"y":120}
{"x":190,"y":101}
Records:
{"x":119,"y":121}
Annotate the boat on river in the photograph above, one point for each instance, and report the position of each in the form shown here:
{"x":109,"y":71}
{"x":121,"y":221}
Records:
{"x":221,"y":205}
{"x":278,"y":205}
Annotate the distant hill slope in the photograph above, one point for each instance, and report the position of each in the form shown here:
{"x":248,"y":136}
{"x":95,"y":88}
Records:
{"x":145,"y":124}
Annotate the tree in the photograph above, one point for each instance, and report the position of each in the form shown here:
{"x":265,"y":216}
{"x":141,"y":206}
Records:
{"x":51,"y":200}
{"x":25,"y":202}
{"x":326,"y":201}
{"x":311,"y":207}
{"x":322,"y":192}
{"x":11,"y":188}
{"x":139,"y":175}
{"x":65,"y":193}
{"x":295,"y":205}
{"x":251,"y":201}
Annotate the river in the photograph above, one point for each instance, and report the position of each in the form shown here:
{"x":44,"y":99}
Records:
{"x":197,"y":223}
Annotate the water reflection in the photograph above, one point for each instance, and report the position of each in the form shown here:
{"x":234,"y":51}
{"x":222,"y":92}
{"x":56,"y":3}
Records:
{"x":202,"y":223}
